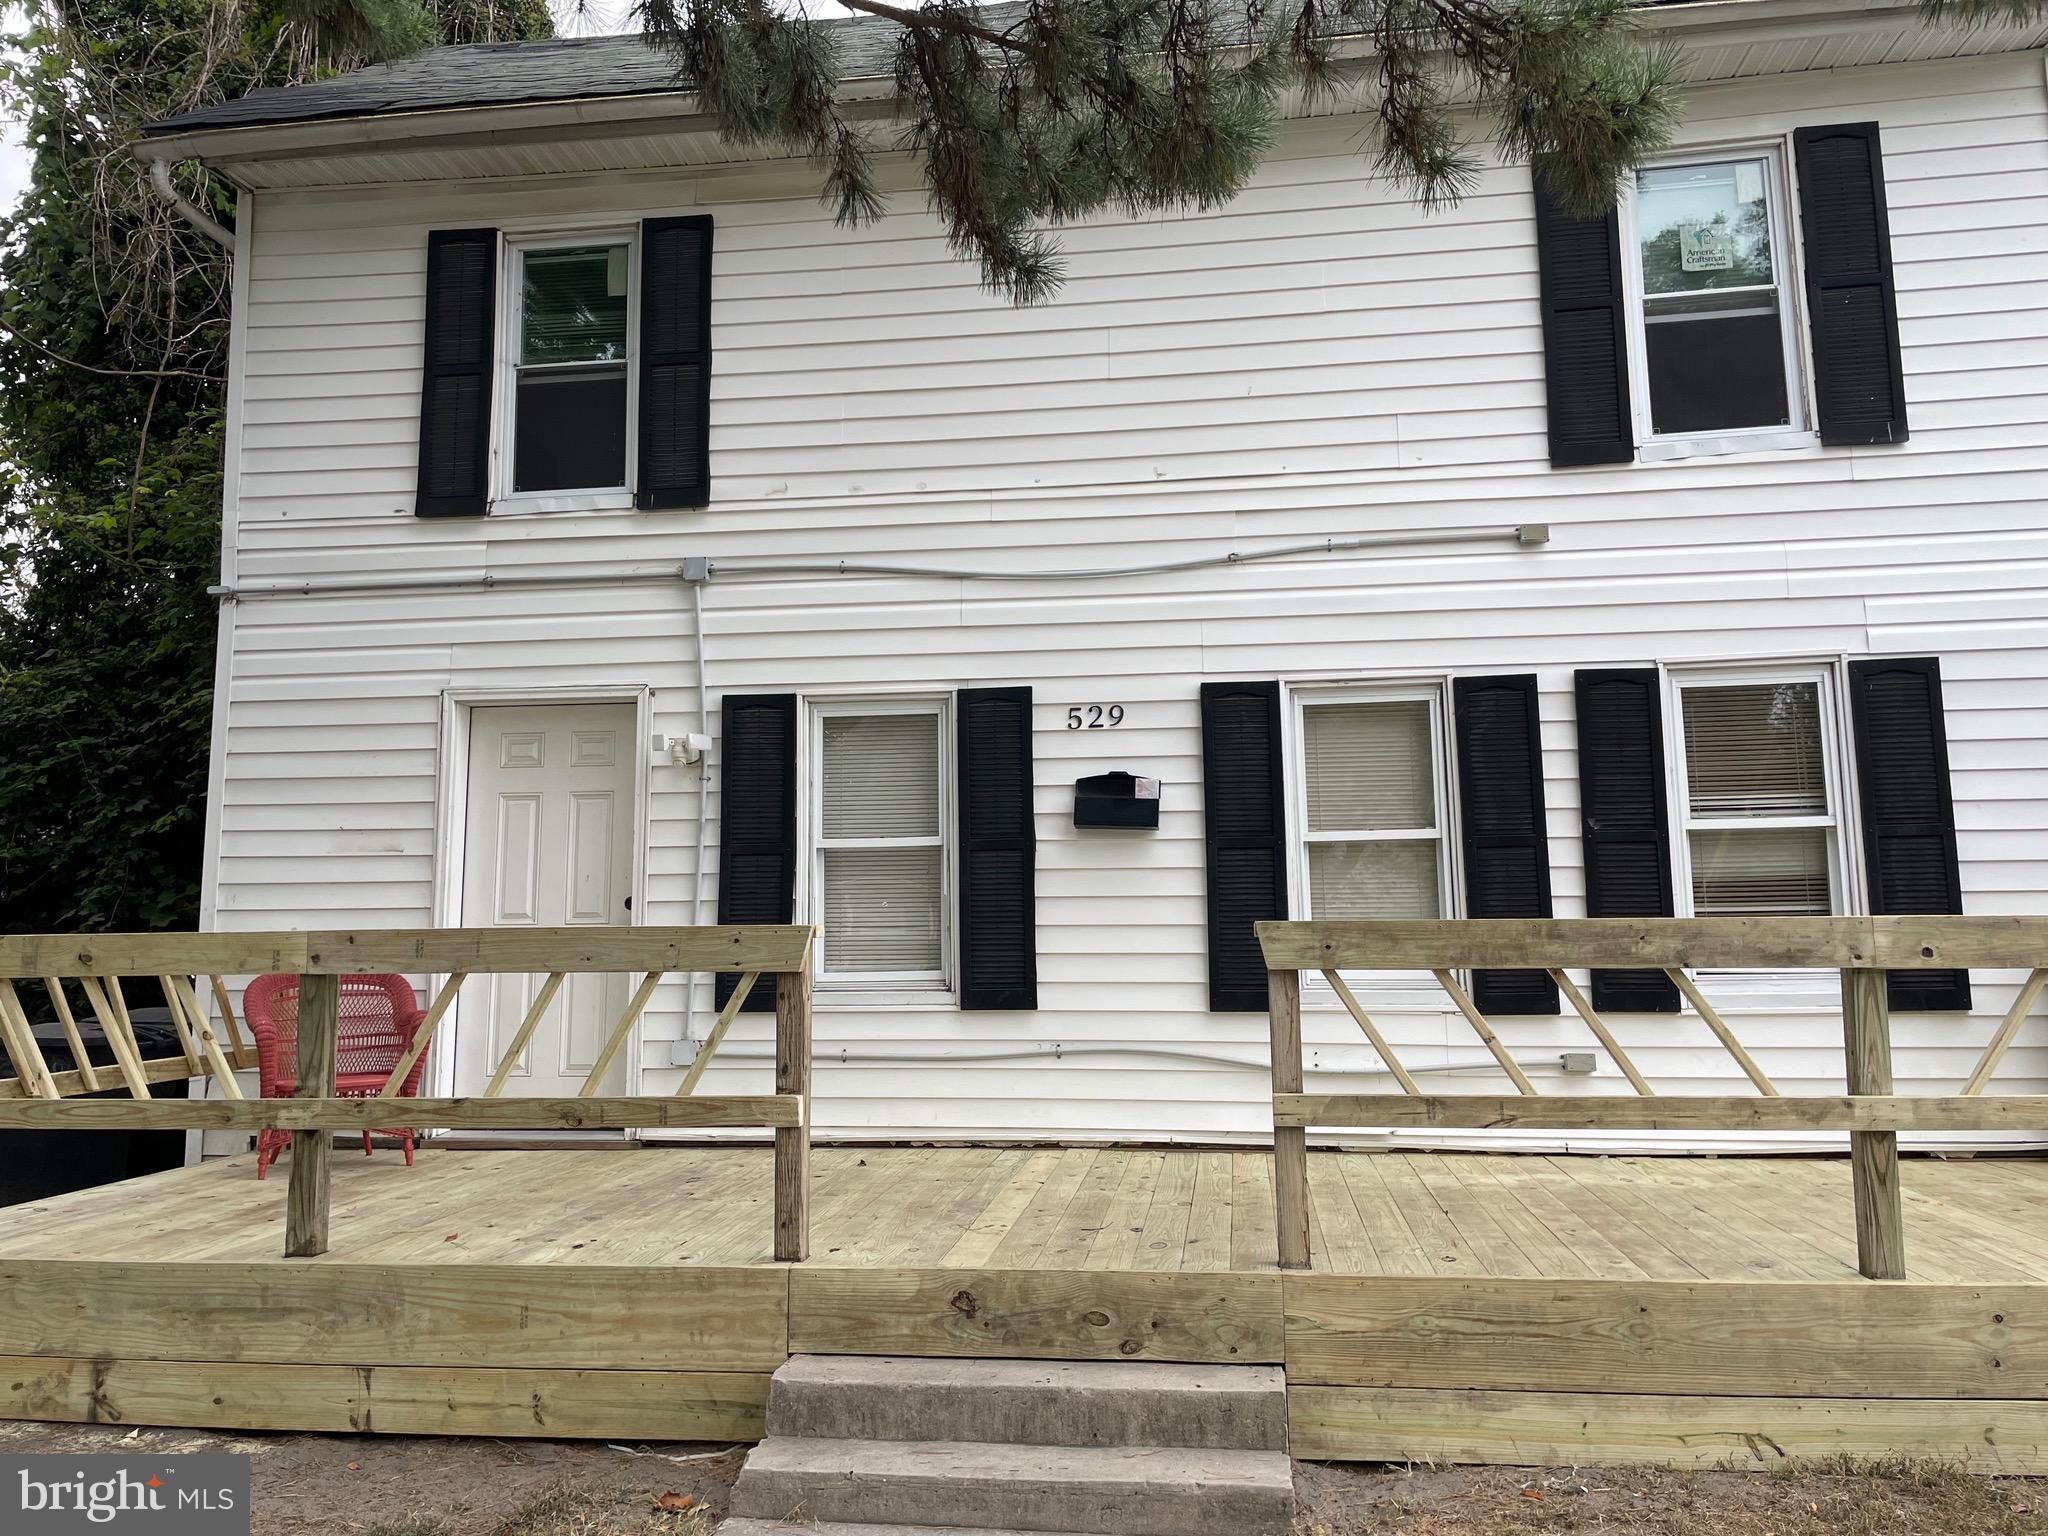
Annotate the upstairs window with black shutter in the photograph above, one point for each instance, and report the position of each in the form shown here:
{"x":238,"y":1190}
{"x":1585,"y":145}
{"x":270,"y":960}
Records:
{"x":570,"y":368}
{"x":1677,"y":324}
{"x":1714,"y":340}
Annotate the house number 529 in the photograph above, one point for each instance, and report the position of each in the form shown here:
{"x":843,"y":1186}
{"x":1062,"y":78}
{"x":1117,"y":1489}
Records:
{"x":1094,"y":717}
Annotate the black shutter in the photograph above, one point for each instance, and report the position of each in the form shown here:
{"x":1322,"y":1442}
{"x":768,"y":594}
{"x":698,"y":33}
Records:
{"x":1585,"y":334}
{"x":1245,"y":827}
{"x":1909,"y":814}
{"x":1849,"y":299}
{"x":756,"y":822}
{"x":675,"y":362}
{"x":1500,"y":806}
{"x":1624,"y":806}
{"x":998,"y":850}
{"x":455,"y":391}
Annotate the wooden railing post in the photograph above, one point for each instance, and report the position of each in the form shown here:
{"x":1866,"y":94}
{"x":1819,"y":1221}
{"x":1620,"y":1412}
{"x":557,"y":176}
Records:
{"x":305,"y":1210}
{"x":1290,"y":1142}
{"x":1873,"y":1155}
{"x":793,"y":1143}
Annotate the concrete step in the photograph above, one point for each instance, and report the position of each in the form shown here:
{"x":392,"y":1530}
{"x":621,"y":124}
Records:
{"x":1031,"y":1402}
{"x":973,"y":1485}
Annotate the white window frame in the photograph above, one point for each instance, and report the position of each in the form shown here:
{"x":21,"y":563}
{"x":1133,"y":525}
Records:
{"x":1845,"y":887}
{"x":1652,"y":446}
{"x":505,"y":385}
{"x":1385,"y":989}
{"x":880,"y":988}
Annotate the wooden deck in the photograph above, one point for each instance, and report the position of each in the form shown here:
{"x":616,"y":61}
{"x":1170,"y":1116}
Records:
{"x":1461,"y":1307}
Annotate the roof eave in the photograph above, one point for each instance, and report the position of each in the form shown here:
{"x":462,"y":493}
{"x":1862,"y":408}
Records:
{"x":669,"y":111}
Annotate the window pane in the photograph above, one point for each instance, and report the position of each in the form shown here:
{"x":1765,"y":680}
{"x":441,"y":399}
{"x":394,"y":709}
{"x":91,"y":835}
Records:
{"x":881,"y":776}
{"x":1754,"y":749}
{"x":881,"y":909}
{"x":1373,"y":879}
{"x":1713,"y":335}
{"x":1705,"y":226}
{"x":1715,"y":363}
{"x":573,"y":306}
{"x":1368,"y":766}
{"x":570,"y":432}
{"x":1761,"y":873}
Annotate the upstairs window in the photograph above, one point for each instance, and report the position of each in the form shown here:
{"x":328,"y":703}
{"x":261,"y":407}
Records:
{"x":1373,"y":806}
{"x":571,"y":366}
{"x":880,"y":845}
{"x":1718,"y":344}
{"x":1762,"y":796}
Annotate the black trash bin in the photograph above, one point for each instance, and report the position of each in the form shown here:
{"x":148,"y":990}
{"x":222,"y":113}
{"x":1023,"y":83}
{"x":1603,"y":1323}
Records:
{"x":37,"y":1164}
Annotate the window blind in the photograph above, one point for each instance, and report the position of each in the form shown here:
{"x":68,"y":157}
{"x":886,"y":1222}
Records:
{"x":1370,"y":880}
{"x":879,"y":779}
{"x":882,"y":910}
{"x":1777,"y":872}
{"x":1368,"y":767}
{"x":1754,"y":749}
{"x":881,"y":776}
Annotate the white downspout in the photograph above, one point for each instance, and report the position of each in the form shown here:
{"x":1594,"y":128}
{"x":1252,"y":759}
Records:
{"x":160,"y":178}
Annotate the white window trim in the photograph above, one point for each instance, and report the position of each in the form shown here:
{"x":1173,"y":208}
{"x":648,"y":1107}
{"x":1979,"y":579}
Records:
{"x":871,"y":988}
{"x":504,"y":392}
{"x":1786,"y":262}
{"x":1845,"y":875}
{"x":1405,"y":989}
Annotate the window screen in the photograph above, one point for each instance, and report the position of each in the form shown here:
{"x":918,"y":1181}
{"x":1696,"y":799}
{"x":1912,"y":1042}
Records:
{"x":1714,"y":329}
{"x":880,"y":847}
{"x":1759,"y":809}
{"x":570,"y":393}
{"x":1372,"y":840}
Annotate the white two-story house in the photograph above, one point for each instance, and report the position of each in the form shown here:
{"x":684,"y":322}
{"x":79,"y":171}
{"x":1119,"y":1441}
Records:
{"x":611,"y":539}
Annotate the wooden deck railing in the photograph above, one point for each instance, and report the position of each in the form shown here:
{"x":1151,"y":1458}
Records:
{"x":40,"y":1098}
{"x":1862,"y":949}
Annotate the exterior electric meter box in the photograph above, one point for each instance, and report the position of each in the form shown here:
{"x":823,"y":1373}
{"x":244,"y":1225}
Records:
{"x":1117,"y":799}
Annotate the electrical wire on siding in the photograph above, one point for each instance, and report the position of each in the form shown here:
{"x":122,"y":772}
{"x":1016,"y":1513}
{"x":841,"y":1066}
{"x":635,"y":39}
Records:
{"x":1523,"y":535}
{"x":1526,"y":535}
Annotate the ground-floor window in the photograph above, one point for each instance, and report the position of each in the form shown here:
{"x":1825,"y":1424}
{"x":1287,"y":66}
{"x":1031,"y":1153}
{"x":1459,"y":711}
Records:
{"x":1370,"y":781}
{"x":880,"y":855}
{"x":1760,"y":792}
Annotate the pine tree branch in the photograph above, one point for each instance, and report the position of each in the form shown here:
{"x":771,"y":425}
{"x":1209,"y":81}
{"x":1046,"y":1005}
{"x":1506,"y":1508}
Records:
{"x":943,"y":21}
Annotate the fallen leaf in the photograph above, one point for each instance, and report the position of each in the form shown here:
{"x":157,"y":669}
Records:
{"x":355,"y":1466}
{"x":1531,"y":1493}
{"x":451,"y":1237}
{"x":675,"y":1502}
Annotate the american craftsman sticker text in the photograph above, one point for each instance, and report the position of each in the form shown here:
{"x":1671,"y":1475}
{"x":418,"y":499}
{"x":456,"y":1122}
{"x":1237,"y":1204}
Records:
{"x":124,"y":1495}
{"x":1705,"y":247}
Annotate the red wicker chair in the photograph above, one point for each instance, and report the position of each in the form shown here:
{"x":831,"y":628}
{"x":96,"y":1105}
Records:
{"x":378,"y":1017}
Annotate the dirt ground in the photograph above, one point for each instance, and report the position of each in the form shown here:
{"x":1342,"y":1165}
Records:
{"x":345,"y":1485}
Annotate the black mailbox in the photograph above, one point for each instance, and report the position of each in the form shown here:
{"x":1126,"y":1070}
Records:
{"x":1116,"y":799}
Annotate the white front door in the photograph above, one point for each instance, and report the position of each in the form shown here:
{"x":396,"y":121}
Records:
{"x":548,"y":843}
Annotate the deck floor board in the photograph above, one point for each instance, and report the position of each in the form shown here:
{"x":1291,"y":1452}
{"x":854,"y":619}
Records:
{"x":1190,"y":1211}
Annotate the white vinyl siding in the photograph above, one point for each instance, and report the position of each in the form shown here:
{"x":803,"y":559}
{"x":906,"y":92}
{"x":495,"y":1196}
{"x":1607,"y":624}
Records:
{"x":1316,"y":360}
